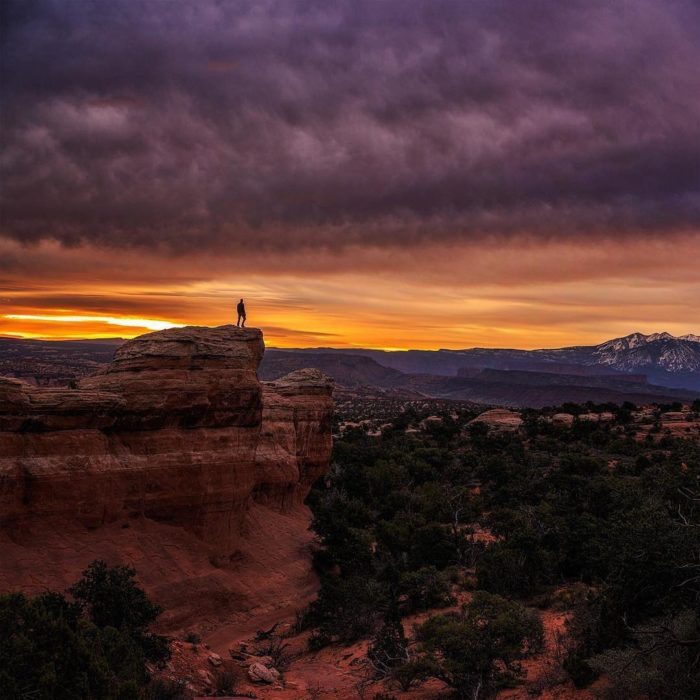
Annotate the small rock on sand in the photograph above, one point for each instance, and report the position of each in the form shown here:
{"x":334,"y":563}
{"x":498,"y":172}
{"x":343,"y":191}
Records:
{"x":261,"y":674}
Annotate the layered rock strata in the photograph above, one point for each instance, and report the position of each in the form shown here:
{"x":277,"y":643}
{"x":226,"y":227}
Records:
{"x":175,"y":459}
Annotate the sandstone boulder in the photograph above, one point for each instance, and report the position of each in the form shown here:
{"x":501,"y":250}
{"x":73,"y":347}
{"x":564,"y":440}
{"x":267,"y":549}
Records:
{"x":564,"y":420}
{"x":500,"y":418}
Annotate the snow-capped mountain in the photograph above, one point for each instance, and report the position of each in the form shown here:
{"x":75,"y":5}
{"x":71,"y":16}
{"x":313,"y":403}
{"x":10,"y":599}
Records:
{"x":664,"y":359}
{"x":658,"y":359}
{"x":657,"y":351}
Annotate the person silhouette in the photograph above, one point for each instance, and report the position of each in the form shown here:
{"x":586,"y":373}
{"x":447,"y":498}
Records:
{"x":241,"y":314}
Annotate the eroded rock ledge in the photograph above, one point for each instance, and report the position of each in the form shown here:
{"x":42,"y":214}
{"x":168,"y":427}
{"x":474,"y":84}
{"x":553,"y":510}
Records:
{"x":175,"y":459}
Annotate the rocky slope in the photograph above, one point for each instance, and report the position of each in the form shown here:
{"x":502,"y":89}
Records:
{"x":175,"y":459}
{"x":350,"y":371}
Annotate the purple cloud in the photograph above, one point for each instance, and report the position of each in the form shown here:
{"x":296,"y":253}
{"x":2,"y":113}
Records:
{"x":278,"y":125}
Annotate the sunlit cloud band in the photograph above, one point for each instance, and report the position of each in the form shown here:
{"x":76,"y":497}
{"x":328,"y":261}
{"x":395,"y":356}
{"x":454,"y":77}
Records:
{"x":149,"y":323}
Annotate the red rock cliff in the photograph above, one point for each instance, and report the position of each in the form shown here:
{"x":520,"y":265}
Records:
{"x":175,"y":459}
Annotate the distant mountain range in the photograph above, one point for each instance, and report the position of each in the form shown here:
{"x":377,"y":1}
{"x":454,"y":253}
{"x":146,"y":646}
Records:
{"x":659,"y":353}
{"x":638,"y":368}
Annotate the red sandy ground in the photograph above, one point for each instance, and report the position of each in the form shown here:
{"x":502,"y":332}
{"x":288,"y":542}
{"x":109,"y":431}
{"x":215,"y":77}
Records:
{"x":341,"y":672}
{"x":175,"y":569}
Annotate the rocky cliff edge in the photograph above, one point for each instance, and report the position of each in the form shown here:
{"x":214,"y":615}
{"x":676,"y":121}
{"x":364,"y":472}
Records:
{"x":176,"y":460}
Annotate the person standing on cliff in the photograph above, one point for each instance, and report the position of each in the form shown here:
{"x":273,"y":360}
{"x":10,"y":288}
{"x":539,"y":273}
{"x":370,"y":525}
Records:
{"x":241,"y":314}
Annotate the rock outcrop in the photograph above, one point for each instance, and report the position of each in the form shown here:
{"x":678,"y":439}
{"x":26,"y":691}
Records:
{"x":500,"y":419}
{"x":175,"y":459}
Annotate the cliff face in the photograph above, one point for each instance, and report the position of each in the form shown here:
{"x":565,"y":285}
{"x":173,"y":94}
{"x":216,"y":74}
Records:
{"x":175,"y":459}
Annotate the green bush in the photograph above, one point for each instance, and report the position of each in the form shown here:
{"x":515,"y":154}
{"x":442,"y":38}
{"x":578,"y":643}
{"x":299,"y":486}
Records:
{"x":389,"y":648}
{"x":111,"y":598}
{"x":414,"y":671}
{"x":159,"y":689}
{"x":346,"y":609}
{"x":93,"y":647}
{"x":478,"y":650}
{"x":660,"y":661}
{"x":425,"y":588}
{"x":514,"y":572}
{"x":433,"y":545}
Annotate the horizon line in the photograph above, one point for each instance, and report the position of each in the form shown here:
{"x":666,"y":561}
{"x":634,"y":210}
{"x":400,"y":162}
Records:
{"x":349,"y":349}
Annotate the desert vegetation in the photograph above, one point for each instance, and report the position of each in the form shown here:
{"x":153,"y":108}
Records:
{"x":475,"y":530}
{"x":93,"y":642}
{"x":448,"y":547}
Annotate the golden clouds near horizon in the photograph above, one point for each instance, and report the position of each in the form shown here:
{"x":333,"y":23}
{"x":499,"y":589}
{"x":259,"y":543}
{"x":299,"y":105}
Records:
{"x":67,"y":327}
{"x":140,"y":323}
{"x":515,"y":293}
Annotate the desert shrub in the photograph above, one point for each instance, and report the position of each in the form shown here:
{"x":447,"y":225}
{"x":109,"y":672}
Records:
{"x":433,"y":545}
{"x":226,"y":682}
{"x":425,"y":588}
{"x":277,"y":649}
{"x":414,"y":672}
{"x":514,"y":572}
{"x":576,"y":664}
{"x":319,"y":639}
{"x":52,"y":647}
{"x":346,"y":609}
{"x":385,"y":477}
{"x":110,"y":598}
{"x":389,"y":648}
{"x":301,"y":622}
{"x":351,"y":550}
{"x":395,"y":534}
{"x":646,"y":559}
{"x":478,"y":650}
{"x":659,"y":661}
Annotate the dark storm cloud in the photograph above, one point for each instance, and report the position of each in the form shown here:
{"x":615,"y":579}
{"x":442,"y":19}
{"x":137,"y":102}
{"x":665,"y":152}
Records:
{"x":278,"y":125}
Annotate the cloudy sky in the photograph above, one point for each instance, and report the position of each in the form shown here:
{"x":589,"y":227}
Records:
{"x":390,"y":173}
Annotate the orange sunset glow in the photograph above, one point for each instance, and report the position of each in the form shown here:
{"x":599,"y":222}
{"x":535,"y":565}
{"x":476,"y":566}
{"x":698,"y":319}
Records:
{"x":515,"y":295}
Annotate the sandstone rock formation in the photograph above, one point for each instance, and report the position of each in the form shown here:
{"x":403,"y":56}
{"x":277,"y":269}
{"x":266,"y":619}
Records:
{"x":175,"y":459}
{"x":500,"y":419}
{"x":565,"y":420}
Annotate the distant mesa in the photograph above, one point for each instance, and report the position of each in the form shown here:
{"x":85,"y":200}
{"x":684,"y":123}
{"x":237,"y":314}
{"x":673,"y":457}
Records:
{"x":638,"y":368}
{"x":347,"y":368}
